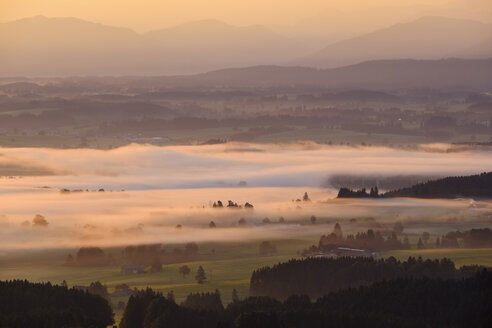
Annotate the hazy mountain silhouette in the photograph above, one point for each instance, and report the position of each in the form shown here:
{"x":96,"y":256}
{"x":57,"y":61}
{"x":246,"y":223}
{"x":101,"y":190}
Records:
{"x":70,"y":46}
{"x":424,"y":38}
{"x":213,"y":44}
{"x":66,"y":46}
{"x":382,"y":74}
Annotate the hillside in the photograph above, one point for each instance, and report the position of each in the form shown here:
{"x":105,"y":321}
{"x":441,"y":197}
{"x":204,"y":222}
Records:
{"x":42,"y":46}
{"x":479,"y":185}
{"x":473,"y":186}
{"x":425,"y":38}
{"x":382,"y":74}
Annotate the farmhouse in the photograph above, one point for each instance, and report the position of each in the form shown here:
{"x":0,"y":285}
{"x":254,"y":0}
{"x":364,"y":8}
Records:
{"x":334,"y":251}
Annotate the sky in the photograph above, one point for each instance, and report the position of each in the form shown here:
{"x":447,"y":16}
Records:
{"x":145,"y":15}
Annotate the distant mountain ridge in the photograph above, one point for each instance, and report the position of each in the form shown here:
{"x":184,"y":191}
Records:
{"x":41,"y":46}
{"x":429,"y":37}
{"x":373,"y":75}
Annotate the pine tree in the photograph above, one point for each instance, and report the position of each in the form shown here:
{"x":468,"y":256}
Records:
{"x":420,"y":244}
{"x":406,"y":243}
{"x":337,"y":230}
{"x":170,"y":296}
{"x":200,"y":276}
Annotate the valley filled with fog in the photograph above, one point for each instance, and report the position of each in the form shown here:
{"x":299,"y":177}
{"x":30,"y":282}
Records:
{"x":141,"y":193}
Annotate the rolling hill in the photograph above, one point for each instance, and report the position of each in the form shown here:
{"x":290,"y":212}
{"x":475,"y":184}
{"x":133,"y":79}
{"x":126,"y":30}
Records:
{"x":374,"y":75}
{"x":425,"y":38}
{"x":41,"y":46}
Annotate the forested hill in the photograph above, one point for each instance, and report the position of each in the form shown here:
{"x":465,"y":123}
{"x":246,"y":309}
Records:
{"x":479,"y":185}
{"x":37,"y":305}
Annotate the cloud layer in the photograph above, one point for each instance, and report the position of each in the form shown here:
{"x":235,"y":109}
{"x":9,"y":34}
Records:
{"x":166,"y":186}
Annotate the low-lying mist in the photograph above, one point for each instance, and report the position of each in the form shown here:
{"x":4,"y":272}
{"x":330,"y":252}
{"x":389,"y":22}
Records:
{"x":140,"y":194}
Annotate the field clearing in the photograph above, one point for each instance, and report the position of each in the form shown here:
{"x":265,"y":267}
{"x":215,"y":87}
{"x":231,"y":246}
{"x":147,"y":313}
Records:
{"x":481,"y":256}
{"x":228,"y":267}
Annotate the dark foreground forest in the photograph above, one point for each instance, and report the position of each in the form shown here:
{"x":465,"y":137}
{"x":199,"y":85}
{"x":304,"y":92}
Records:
{"x":317,"y":277}
{"x":404,"y":302}
{"x":343,"y":292}
{"x":24,"y":304}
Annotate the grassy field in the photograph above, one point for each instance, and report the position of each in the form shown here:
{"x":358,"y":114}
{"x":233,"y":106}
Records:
{"x":459,"y":256}
{"x":228,"y":266}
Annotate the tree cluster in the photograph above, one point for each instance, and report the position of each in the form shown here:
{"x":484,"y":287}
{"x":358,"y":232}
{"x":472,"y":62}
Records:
{"x":266,"y":248}
{"x":231,"y":204}
{"x":479,"y":185}
{"x":316,"y":277}
{"x":370,"y":240}
{"x":474,"y":238}
{"x":154,"y":255}
{"x":25,"y":304}
{"x":361,"y":193}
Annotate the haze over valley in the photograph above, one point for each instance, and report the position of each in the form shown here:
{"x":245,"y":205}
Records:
{"x":245,"y":164}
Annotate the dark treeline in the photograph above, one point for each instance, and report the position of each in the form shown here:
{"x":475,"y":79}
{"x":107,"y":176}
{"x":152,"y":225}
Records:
{"x":154,"y":254}
{"x":474,"y":238}
{"x":370,"y":240}
{"x":316,"y":277}
{"x":354,"y":181}
{"x":479,"y":185}
{"x":403,"y":302}
{"x":362,"y":193}
{"x":24,"y":305}
{"x":149,"y":254}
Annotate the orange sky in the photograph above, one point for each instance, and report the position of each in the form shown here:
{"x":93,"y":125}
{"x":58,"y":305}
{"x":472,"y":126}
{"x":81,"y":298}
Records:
{"x":144,"y":15}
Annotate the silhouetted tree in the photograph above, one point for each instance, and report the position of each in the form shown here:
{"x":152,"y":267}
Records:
{"x":337,"y":230}
{"x":248,"y":205}
{"x":200,"y":276}
{"x":191,"y":249}
{"x":156,"y":265}
{"x":39,"y":221}
{"x":184,"y":270}
{"x":425,"y":237}
{"x":398,"y":228}
{"x":170,"y":296}
{"x":266,"y":248}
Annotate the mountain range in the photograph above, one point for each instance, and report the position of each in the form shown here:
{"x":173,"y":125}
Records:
{"x":424,"y":38}
{"x":41,"y":46}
